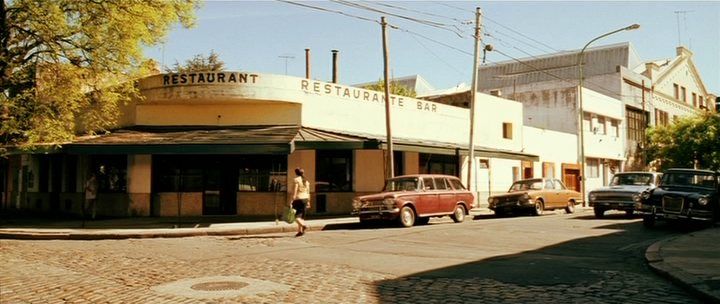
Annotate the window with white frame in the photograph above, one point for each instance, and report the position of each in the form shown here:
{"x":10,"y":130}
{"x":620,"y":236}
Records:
{"x":586,"y":121}
{"x":614,"y":129}
{"x":593,"y":167}
{"x":600,"y":127}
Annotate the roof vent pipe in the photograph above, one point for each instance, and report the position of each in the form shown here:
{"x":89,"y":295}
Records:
{"x":307,"y":63}
{"x":334,"y":68}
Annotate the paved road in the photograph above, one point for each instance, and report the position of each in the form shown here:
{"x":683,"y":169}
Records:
{"x":552,"y":258}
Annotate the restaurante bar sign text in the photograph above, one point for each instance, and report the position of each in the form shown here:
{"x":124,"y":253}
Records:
{"x":359,"y":94}
{"x":208,"y":78}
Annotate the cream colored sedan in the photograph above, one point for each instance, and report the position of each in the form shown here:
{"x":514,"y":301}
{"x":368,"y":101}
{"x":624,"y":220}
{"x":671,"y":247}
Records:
{"x":535,"y":195}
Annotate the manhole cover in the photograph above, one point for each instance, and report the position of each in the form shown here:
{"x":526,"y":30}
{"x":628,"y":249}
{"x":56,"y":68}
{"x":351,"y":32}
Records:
{"x":218,"y":286}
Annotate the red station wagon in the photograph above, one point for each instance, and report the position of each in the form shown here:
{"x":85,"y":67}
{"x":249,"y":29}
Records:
{"x":412,"y":199}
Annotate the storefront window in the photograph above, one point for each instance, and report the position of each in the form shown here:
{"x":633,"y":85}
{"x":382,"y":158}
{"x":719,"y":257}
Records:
{"x":266,"y":173}
{"x":111,"y":171}
{"x":438,"y":164}
{"x":177,"y":174}
{"x":333,"y":171}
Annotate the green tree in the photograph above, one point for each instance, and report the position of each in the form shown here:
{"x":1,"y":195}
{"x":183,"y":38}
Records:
{"x":395,"y":88}
{"x":200,"y":63}
{"x":686,"y":140}
{"x":68,"y":64}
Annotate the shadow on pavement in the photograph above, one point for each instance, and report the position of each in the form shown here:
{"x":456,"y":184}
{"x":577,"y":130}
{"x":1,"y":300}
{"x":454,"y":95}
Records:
{"x":608,"y":268}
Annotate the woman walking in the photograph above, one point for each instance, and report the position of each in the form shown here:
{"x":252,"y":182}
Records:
{"x":300,"y":199}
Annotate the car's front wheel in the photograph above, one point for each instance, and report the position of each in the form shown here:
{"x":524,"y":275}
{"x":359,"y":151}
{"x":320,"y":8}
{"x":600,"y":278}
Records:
{"x":459,"y":214}
{"x":407,"y":216}
{"x":539,"y":207}
{"x":570,"y":207}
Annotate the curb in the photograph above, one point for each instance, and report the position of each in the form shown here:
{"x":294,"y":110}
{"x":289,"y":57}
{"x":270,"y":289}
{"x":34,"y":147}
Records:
{"x":697,"y":287}
{"x":22,"y":235}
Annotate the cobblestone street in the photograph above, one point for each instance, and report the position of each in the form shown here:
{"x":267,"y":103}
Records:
{"x":273,"y":269}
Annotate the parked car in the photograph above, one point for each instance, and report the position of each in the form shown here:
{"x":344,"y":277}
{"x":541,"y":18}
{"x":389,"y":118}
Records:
{"x":618,"y":195}
{"x":412,"y":199}
{"x":535,"y":195}
{"x":683,"y":194}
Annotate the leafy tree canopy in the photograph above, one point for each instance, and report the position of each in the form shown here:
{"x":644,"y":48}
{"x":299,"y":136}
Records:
{"x":395,"y":88}
{"x":200,"y":63}
{"x":687,"y":139}
{"x":67,"y":65}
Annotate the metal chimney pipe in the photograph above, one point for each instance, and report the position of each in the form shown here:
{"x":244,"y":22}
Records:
{"x":307,"y":63}
{"x":334,"y":68}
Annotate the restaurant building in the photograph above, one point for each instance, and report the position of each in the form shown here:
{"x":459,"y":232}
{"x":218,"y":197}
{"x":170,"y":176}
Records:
{"x":225,"y":143}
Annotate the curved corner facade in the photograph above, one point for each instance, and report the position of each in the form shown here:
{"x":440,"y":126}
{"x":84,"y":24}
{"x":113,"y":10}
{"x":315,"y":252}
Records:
{"x":226,"y":143}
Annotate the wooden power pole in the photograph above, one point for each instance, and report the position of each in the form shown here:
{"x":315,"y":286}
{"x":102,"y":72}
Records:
{"x":473,"y":95}
{"x":389,"y":157}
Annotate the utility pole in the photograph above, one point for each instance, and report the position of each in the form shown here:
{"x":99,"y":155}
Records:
{"x":386,"y":71}
{"x":473,"y":96}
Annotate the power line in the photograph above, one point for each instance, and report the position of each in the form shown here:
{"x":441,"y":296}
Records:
{"x":328,"y":10}
{"x":501,"y":25}
{"x":439,"y":58}
{"x":451,"y":6}
{"x":534,"y":69}
{"x":518,"y":40}
{"x":433,"y":40}
{"x":521,"y":34}
{"x":439,"y":25}
{"x":506,"y":44}
{"x":419,"y":12}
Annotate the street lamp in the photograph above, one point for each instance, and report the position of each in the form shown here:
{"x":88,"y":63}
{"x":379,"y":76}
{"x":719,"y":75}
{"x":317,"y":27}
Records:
{"x":580,"y":105}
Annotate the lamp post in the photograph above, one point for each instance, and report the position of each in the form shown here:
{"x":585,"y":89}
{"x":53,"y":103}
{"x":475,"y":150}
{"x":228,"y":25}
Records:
{"x":581,"y":159}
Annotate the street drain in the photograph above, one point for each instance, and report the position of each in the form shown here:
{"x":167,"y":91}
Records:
{"x":220,"y":287}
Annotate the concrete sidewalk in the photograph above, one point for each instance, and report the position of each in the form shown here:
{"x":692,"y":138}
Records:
{"x":691,"y":260}
{"x":158,"y":228}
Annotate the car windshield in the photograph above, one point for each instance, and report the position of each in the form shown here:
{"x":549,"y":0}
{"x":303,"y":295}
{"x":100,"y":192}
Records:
{"x":402,"y":184}
{"x":524,"y":185}
{"x":692,"y":179}
{"x":631,"y":180}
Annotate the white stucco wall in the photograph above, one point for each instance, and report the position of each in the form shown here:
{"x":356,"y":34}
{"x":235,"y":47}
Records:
{"x":609,"y":145}
{"x":490,"y":114}
{"x":263,"y":99}
{"x":338,"y":107}
{"x":551,"y":146}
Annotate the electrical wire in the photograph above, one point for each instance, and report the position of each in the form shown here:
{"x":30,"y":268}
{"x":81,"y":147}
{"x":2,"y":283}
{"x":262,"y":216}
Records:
{"x":328,"y":10}
{"x":389,"y":25}
{"x":451,"y":28}
{"x":534,"y":69}
{"x":451,"y":6}
{"x":518,"y":40}
{"x":521,"y":34}
{"x":419,"y":12}
{"x":438,"y":57}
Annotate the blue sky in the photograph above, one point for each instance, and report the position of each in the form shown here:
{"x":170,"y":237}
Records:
{"x":258,"y":35}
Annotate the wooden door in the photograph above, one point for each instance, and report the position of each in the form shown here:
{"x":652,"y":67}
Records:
{"x":571,"y":179}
